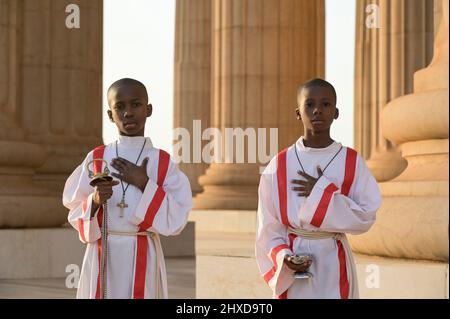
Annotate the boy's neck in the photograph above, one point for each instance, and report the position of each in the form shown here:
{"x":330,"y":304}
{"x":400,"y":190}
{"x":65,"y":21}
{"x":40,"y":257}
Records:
{"x":135,"y":135}
{"x":317,"y":140}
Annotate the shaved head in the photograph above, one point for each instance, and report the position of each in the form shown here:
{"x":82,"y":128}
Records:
{"x":318,"y":82}
{"x":127,"y":82}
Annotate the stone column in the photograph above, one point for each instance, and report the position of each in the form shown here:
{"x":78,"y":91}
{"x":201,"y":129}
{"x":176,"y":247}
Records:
{"x":262,"y":51}
{"x":62,"y":85}
{"x":50,"y":104}
{"x":413,"y":220}
{"x":386,"y":59}
{"x":192,"y":87}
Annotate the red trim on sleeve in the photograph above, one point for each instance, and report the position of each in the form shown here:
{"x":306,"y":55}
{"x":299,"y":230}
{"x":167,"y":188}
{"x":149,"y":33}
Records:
{"x":292,"y":238}
{"x":343,"y":280}
{"x":350,"y":169}
{"x":283,"y":295}
{"x":282,"y":186}
{"x":81,"y":230}
{"x":84,"y":206}
{"x":322,"y":208}
{"x":275,"y":251}
{"x":273,"y":255}
{"x":269,"y":275}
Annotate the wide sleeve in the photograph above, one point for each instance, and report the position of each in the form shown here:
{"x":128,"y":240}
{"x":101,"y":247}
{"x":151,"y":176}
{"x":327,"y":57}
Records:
{"x":77,"y":197}
{"x":328,"y":209}
{"x":271,"y":239}
{"x":164,"y":209}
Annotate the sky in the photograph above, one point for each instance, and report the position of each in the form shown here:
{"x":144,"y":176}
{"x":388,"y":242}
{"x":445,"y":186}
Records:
{"x":139,"y":39}
{"x":139,"y":42}
{"x":340,"y":16}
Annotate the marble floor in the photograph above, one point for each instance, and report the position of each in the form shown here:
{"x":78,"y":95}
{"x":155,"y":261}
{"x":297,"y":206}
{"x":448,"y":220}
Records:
{"x":180,"y":279}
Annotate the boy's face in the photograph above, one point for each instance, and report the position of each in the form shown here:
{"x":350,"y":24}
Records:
{"x":316,"y":108}
{"x":128,"y":109}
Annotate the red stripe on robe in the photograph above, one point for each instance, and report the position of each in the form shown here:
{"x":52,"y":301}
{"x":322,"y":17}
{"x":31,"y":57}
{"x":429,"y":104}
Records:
{"x":81,"y":223}
{"x":98,"y":165}
{"x":322,"y":208}
{"x":142,"y":241}
{"x":81,"y":230}
{"x":343,"y":280}
{"x":282,"y":186}
{"x":292,"y":238}
{"x":350,"y":169}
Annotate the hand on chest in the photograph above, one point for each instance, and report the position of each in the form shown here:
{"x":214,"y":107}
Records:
{"x":304,"y":170}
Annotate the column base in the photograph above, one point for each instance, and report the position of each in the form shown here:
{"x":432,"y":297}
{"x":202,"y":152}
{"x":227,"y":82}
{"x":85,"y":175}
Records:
{"x":31,"y":211}
{"x":46,"y":252}
{"x":229,"y":186}
{"x":39,"y":253}
{"x":411,"y":223}
{"x":386,"y":165}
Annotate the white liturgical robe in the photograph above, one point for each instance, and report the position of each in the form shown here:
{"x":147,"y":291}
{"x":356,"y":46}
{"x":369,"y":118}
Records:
{"x":135,"y":263}
{"x":344,"y":200}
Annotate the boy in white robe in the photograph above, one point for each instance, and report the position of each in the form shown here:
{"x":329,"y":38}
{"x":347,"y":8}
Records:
{"x":149,"y":197}
{"x":310,"y":195}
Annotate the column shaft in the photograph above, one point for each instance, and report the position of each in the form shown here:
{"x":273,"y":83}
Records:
{"x":192,"y":101}
{"x":50,"y":105}
{"x":386,"y":59}
{"x":262,"y":52}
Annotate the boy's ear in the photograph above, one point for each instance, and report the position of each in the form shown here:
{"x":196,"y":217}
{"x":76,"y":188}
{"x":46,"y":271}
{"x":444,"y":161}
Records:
{"x":110,"y":115}
{"x":149,"y":110}
{"x":297,"y":112}
{"x":336,"y":114}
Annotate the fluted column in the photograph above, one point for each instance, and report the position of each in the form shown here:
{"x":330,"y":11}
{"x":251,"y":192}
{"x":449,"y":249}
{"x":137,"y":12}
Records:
{"x":18,"y":158}
{"x":192,"y":101}
{"x":50,"y":103}
{"x":62,"y":85}
{"x":386,"y":59}
{"x":413,"y":220}
{"x":262,"y":51}
{"x":10,"y":26}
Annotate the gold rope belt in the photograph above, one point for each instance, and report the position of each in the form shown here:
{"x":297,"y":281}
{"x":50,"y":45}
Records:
{"x":314,"y":234}
{"x":349,"y":262}
{"x":124,"y":233}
